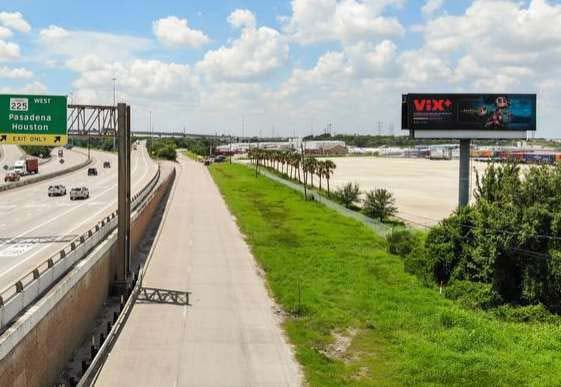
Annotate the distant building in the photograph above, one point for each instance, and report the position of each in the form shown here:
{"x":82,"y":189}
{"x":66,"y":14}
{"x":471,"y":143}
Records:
{"x":331,"y":148}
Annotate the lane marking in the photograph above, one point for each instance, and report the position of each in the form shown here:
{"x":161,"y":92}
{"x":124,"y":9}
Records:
{"x":75,"y":227}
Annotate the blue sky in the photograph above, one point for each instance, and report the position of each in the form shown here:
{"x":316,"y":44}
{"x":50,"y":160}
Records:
{"x":294,"y":65}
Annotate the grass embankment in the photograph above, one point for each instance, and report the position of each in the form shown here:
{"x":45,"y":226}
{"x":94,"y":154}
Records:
{"x":333,"y":275}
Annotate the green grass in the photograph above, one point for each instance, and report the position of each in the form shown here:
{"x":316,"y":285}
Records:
{"x":192,"y":156}
{"x":407,"y":334}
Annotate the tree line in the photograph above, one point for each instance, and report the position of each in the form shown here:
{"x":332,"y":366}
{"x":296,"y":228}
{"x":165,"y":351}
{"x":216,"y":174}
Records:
{"x":378,"y":203}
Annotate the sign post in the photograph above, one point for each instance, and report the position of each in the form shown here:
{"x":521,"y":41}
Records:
{"x":33,"y":119}
{"x":466,"y":117}
{"x":124,"y":203}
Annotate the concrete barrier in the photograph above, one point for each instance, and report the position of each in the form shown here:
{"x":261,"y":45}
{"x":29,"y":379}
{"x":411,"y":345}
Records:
{"x":36,"y":179}
{"x":34,"y":350}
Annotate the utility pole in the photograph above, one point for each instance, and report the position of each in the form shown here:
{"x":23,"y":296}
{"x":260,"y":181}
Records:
{"x":302,"y":166}
{"x":465,"y":145}
{"x":150,"y":129}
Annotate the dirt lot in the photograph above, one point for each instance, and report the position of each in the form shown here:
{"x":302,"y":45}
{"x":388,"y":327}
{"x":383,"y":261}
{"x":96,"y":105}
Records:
{"x":425,"y":190}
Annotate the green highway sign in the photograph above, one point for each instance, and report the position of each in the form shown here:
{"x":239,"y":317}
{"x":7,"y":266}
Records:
{"x":33,"y":119}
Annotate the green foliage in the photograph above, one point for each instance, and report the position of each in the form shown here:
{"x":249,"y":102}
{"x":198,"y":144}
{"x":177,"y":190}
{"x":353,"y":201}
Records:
{"x":401,"y":241}
{"x":348,"y":194}
{"x":473,"y":294}
{"x":37,"y":151}
{"x":526,"y":314}
{"x":407,"y":334}
{"x":508,"y":238}
{"x":379,"y":204}
{"x":162,"y":148}
{"x":104,"y":143}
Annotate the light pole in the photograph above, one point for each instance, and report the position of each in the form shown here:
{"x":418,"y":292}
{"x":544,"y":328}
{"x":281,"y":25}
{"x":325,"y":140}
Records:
{"x":115,"y":106}
{"x":150,"y":126}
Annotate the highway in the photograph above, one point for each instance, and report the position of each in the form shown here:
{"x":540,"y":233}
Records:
{"x":228,"y":333}
{"x":10,"y":153}
{"x":34,"y":226}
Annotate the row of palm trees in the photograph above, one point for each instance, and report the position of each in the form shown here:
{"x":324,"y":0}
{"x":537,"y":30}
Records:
{"x":294,"y":165}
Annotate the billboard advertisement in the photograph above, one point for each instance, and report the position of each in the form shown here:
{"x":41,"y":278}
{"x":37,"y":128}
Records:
{"x":469,"y":112}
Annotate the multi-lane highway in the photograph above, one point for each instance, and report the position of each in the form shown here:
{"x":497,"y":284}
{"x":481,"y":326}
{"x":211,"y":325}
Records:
{"x":34,"y":226}
{"x":10,"y":153}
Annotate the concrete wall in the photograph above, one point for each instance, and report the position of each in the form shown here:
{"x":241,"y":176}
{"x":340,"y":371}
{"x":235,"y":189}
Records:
{"x":38,"y":357}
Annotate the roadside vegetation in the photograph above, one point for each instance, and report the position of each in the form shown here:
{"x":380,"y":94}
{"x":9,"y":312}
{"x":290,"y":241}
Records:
{"x":101,"y":143}
{"x":378,"y":204}
{"x":37,"y":151}
{"x":357,"y":318}
{"x":503,"y":252}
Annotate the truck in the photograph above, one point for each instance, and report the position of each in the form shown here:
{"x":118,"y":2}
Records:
{"x":28,"y":166}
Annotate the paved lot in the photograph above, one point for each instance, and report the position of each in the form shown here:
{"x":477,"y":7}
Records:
{"x":426,"y":191}
{"x":228,"y":335}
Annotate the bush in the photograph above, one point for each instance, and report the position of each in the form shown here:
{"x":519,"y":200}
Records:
{"x":37,"y":151}
{"x":379,"y":204}
{"x":348,"y":194}
{"x":530,"y":313}
{"x":401,"y":241}
{"x":473,"y":294}
{"x":167,"y":153}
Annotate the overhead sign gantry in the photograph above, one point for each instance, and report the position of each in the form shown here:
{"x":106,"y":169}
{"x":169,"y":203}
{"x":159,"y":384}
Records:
{"x":466,"y":117}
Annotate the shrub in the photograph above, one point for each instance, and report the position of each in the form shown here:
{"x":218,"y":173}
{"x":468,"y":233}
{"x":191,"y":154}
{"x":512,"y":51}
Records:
{"x":167,"y":152}
{"x":348,"y":194}
{"x":473,"y":294}
{"x":401,"y":241}
{"x":37,"y":151}
{"x":379,"y":204}
{"x":529,"y":313}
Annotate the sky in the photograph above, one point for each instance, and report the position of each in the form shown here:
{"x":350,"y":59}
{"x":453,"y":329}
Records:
{"x":272,"y":67}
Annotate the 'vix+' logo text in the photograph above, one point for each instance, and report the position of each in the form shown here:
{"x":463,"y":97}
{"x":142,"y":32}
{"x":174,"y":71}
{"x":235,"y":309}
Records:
{"x":432,"y":105}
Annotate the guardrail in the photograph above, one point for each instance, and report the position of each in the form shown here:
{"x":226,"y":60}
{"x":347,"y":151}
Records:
{"x":17,"y":297}
{"x":91,"y":373}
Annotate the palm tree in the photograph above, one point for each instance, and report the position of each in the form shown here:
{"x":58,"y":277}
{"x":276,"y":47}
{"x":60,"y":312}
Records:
{"x":329,"y":168}
{"x":380,"y":204}
{"x":320,"y":171}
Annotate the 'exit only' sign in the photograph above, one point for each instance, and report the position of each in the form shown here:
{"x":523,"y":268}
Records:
{"x":33,"y":119}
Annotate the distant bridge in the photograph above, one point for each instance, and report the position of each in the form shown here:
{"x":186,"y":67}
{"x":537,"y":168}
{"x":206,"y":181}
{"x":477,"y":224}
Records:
{"x":178,"y":135}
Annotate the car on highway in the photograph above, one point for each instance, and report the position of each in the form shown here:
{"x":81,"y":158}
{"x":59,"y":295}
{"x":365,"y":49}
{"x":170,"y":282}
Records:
{"x":57,"y":190}
{"x":106,"y":164}
{"x":92,"y":171}
{"x":11,"y":176}
{"x":79,"y":193}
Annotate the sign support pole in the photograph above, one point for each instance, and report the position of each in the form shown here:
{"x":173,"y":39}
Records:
{"x":123,"y":244}
{"x":465,"y":145}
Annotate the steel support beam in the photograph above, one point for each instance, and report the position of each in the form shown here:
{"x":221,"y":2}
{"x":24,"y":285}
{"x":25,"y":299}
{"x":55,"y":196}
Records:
{"x":465,"y":146}
{"x":123,"y":243}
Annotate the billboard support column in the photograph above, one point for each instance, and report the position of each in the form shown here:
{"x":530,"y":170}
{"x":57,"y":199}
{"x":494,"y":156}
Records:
{"x":465,"y":145}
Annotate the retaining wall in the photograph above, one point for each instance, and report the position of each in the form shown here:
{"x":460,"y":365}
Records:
{"x":68,"y":309}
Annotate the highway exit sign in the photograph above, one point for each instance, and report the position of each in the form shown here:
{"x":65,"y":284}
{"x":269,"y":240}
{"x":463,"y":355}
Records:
{"x":33,"y":119}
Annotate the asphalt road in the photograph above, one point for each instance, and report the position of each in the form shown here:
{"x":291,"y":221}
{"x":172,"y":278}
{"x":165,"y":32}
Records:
{"x":228,"y":335}
{"x":34,"y":226}
{"x":10,"y":153}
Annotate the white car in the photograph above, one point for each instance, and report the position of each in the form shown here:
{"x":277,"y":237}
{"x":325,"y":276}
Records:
{"x":79,"y":193}
{"x":57,"y":190}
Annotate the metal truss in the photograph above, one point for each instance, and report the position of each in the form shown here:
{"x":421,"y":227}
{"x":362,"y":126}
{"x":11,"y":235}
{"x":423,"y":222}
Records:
{"x":92,"y":120}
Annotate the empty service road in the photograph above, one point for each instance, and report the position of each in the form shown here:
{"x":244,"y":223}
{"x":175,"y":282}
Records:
{"x":34,"y":227}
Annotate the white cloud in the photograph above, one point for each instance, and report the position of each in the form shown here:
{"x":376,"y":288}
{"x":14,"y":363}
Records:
{"x":60,"y":42}
{"x":431,"y":6}
{"x":255,"y":54}
{"x":15,"y":73}
{"x":8,"y":51}
{"x":5,"y":32}
{"x":242,"y":18}
{"x":173,"y":31}
{"x":15,"y":21}
{"x":345,"y":20}
{"x":30,"y":88}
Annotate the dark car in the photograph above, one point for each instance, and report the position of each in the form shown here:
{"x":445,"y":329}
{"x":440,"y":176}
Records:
{"x":219,"y":159}
{"x":57,"y":190}
{"x":92,"y":172}
{"x":106,"y":164}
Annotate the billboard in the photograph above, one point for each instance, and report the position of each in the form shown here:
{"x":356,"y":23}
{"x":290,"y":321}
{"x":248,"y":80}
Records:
{"x":469,"y":115}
